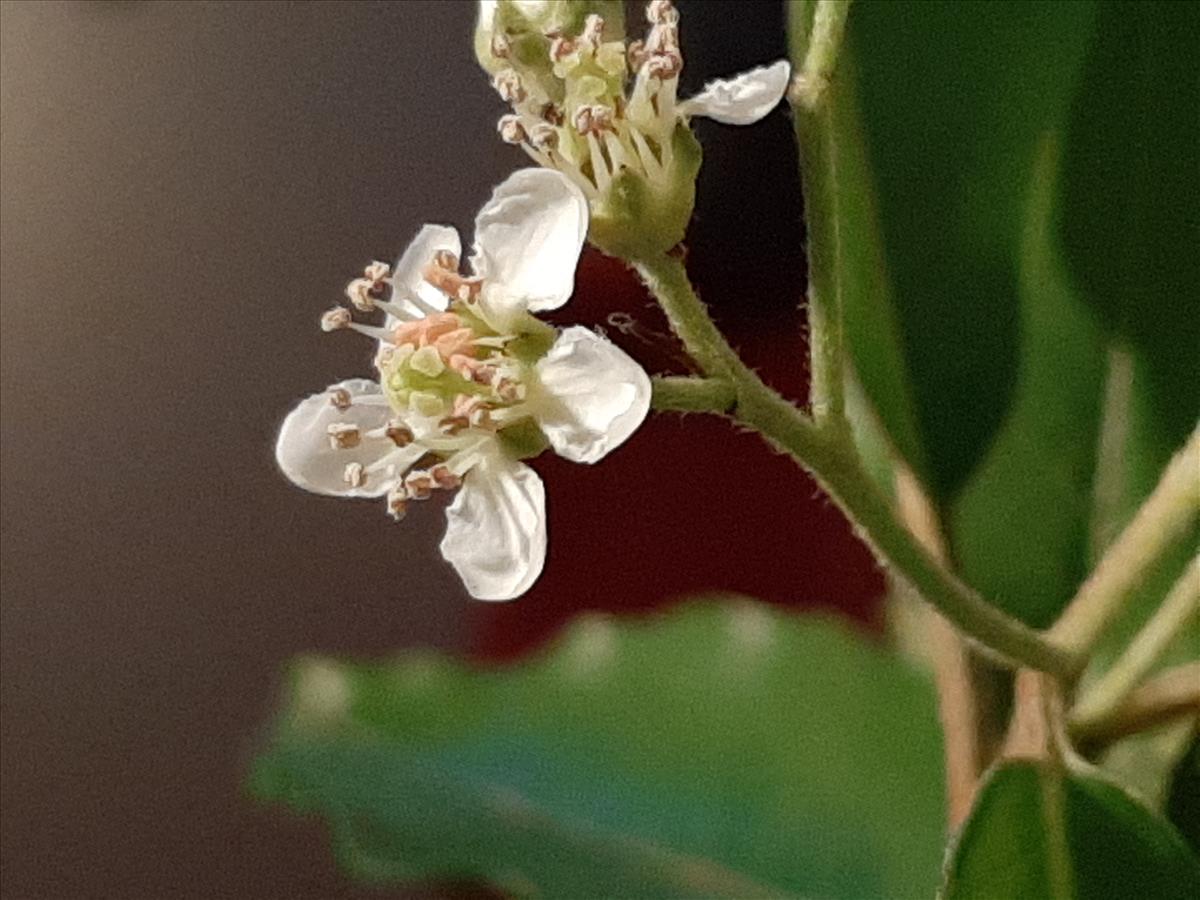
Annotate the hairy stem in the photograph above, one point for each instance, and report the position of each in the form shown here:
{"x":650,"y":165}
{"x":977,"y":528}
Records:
{"x":830,"y":456}
{"x":1174,"y":693}
{"x":1180,"y":608}
{"x":818,"y":139}
{"x":684,"y":394}
{"x":1163,"y":519}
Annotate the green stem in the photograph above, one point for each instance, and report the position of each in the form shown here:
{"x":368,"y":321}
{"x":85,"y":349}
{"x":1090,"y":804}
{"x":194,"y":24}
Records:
{"x":1163,"y":519}
{"x":817,"y":136}
{"x":681,"y":394}
{"x":830,"y":456}
{"x":1174,"y":693}
{"x":1180,"y":608}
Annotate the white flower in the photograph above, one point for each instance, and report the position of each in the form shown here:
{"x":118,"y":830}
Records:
{"x":598,"y":127}
{"x":470,"y":382}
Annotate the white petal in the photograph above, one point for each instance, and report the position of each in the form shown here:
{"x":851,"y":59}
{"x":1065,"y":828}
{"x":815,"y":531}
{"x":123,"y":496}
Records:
{"x":743,"y":99}
{"x":527,"y":242}
{"x":304,"y":453}
{"x":496,"y":529}
{"x":594,"y":395}
{"x":409,"y":275}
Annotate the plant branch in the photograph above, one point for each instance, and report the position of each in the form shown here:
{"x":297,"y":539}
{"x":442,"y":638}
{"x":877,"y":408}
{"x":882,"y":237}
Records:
{"x":817,"y":136}
{"x":683,"y":394}
{"x":1162,"y":520}
{"x":1180,"y":608}
{"x":830,"y":456}
{"x":1174,"y":693}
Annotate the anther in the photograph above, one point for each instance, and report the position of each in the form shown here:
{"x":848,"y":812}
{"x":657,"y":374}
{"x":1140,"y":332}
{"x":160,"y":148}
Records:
{"x":552,"y":114}
{"x":561,"y":48}
{"x":661,"y":12}
{"x":593,"y":29}
{"x":335,"y":319}
{"x":343,"y":435}
{"x":419,"y":485}
{"x":376,"y":272}
{"x":508,"y":85}
{"x":340,"y":398}
{"x":664,"y":66}
{"x":444,"y":478}
{"x":511,"y":130}
{"x":397,"y":502}
{"x":446,"y":260}
{"x":593,"y":119}
{"x":637,"y":55}
{"x":500,"y":46}
{"x":400,"y":433}
{"x":355,"y":474}
{"x":508,"y":390}
{"x":544,"y":136}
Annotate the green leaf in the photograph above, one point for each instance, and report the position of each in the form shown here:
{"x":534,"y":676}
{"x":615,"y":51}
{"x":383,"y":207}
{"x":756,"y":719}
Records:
{"x":1037,"y":832}
{"x":954,"y":110}
{"x":968,"y":336}
{"x":1128,"y":223}
{"x":1183,"y":801}
{"x":723,"y":750}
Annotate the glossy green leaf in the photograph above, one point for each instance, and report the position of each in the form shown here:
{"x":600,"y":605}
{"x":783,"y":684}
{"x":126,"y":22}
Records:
{"x":966,"y":331}
{"x":723,"y":750}
{"x":1183,"y":801}
{"x":1038,"y":832}
{"x":1128,"y":223}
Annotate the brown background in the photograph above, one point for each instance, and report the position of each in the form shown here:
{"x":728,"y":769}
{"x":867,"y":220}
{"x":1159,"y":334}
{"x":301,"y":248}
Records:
{"x":185,"y":188}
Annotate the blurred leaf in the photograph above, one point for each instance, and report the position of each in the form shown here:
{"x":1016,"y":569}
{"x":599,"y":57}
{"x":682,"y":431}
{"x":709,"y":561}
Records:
{"x":1183,"y":801}
{"x":954,"y":109}
{"x":723,"y":750}
{"x":1038,"y":832}
{"x":1128,"y":222}
{"x":969,"y":338}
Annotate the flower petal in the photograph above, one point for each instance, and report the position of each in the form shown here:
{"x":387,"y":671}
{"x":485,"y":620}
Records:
{"x":306,"y":457}
{"x":409,"y":275}
{"x":594,"y":395}
{"x":742,"y":99}
{"x":528,"y":237}
{"x":496,"y":528}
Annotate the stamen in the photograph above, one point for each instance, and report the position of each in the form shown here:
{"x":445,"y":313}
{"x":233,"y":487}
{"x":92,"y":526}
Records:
{"x":593,"y":30}
{"x":444,"y":478}
{"x":340,"y":398}
{"x":511,"y":130}
{"x":508,"y":85}
{"x":419,"y":485}
{"x":664,"y":66}
{"x":599,"y":165}
{"x":397,"y":502}
{"x":400,"y":433}
{"x":544,"y":136}
{"x":500,"y":46}
{"x":343,"y":435}
{"x":561,"y":48}
{"x":637,"y":55}
{"x":661,"y":12}
{"x":446,"y":260}
{"x":551,"y":114}
{"x":355,"y":475}
{"x":336,"y":319}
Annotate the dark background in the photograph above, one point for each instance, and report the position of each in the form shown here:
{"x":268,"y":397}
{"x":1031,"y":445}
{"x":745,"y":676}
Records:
{"x":185,"y":188}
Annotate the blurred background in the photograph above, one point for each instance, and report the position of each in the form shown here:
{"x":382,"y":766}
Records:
{"x":185,"y":188}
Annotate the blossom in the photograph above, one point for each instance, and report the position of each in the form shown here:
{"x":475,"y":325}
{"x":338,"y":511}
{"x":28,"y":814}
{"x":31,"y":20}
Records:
{"x":470,"y":383}
{"x":625,"y":141}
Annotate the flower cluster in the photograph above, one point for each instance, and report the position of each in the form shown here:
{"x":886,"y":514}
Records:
{"x":607,"y":114}
{"x":469,"y":383}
